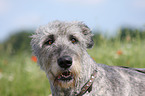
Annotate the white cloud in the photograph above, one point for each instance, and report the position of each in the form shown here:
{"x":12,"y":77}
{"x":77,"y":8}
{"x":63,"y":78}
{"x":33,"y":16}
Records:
{"x":82,"y":2}
{"x":139,"y":4}
{"x":4,"y":6}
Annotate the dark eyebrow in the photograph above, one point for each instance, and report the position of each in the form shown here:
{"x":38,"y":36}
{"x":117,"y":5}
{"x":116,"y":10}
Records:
{"x":50,"y":37}
{"x":72,"y":36}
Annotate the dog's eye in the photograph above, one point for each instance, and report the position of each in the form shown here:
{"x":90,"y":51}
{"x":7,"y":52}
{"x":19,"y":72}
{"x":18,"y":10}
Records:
{"x":73,"y":40}
{"x":48,"y":42}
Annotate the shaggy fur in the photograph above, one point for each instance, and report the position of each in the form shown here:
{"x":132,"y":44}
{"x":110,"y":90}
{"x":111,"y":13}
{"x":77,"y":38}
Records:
{"x":110,"y":80}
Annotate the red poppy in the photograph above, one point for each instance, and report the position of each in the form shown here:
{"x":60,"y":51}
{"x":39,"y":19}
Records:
{"x":119,"y":52}
{"x":34,"y":58}
{"x":93,"y":58}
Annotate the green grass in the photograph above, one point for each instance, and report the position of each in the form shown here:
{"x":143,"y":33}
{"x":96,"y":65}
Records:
{"x":20,"y":76}
{"x":131,"y":54}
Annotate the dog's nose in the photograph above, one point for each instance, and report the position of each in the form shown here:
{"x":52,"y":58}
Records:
{"x":65,"y":62}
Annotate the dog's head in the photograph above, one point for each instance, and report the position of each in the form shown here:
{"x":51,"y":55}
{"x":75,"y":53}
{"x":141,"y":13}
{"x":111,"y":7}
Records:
{"x":60,"y":47}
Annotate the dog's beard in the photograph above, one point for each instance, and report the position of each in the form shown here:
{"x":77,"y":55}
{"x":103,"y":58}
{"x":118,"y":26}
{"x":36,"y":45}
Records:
{"x":64,"y":78}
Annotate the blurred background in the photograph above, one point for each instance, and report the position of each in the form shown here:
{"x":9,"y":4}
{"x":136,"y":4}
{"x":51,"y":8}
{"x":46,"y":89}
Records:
{"x":118,"y":27}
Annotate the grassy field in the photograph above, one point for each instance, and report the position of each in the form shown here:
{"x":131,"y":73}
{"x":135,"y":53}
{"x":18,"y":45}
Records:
{"x":20,"y":76}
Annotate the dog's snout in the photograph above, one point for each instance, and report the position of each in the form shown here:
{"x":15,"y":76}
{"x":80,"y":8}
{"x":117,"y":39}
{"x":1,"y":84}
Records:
{"x":65,"y":62}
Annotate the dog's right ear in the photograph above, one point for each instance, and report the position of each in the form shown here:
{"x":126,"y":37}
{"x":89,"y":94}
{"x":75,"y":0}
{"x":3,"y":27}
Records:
{"x":88,"y":35}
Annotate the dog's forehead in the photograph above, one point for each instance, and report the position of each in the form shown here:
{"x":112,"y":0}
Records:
{"x":59,"y":29}
{"x":63,"y":28}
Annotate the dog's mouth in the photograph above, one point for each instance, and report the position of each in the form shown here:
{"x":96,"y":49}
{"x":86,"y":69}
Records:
{"x":65,"y":76}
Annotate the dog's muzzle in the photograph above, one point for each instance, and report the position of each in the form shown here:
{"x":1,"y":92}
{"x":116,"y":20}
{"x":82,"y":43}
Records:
{"x":65,"y":63}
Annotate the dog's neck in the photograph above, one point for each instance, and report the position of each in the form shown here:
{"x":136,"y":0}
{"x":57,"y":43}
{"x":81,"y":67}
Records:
{"x":88,"y":67}
{"x":80,"y":82}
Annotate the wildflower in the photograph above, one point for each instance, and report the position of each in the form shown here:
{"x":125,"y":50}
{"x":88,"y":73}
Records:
{"x":11,"y":77}
{"x":34,"y":58}
{"x":93,"y":58}
{"x":119,"y":52}
{"x":128,"y":38}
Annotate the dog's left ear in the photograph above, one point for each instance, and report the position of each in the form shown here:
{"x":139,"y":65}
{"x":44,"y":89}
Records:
{"x":88,"y":35}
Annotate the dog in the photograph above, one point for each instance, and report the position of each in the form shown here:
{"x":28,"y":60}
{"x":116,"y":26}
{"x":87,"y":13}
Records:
{"x":61,"y":50}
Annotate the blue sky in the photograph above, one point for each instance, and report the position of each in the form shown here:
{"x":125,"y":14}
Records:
{"x":106,"y":15}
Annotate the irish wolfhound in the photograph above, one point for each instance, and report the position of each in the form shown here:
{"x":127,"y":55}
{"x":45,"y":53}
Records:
{"x":61,"y":49}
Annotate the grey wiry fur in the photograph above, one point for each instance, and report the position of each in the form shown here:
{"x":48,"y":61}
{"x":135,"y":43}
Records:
{"x":110,"y":80}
